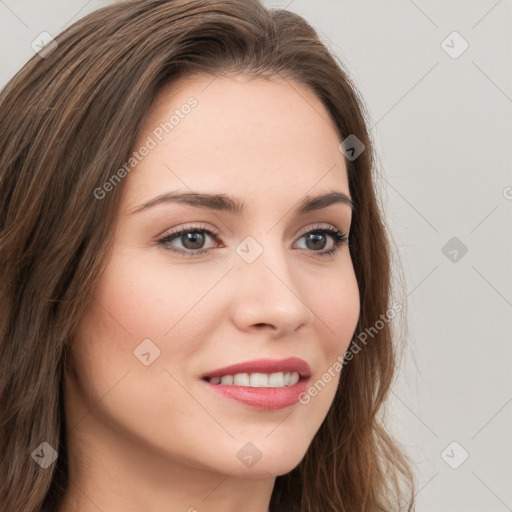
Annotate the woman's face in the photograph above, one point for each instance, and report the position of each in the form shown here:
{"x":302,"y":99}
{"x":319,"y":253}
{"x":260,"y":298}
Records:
{"x":236,"y":287}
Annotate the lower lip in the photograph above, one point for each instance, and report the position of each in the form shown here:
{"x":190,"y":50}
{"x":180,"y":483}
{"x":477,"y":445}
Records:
{"x":267,"y":399}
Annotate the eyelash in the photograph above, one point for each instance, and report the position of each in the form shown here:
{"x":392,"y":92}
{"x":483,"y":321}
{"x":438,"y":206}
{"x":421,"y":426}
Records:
{"x":338,"y":237}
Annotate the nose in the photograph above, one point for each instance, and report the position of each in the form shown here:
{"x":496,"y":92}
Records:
{"x":269,"y":294}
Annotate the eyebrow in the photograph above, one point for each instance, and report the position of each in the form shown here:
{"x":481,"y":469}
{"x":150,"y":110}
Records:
{"x":223,"y":202}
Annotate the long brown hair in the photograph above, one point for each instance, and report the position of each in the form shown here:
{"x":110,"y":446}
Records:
{"x":69,"y":121}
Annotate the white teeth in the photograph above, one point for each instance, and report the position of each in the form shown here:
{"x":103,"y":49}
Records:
{"x":258,"y":380}
{"x":227,"y":379}
{"x":294,"y":378}
{"x":241,"y":379}
{"x":276,"y":380}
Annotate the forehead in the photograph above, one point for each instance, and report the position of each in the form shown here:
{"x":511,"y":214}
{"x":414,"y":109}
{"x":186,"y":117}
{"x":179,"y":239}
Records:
{"x":237,"y":135}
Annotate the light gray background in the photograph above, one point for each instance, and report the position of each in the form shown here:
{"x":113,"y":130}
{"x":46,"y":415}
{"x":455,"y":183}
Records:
{"x":442,"y":127}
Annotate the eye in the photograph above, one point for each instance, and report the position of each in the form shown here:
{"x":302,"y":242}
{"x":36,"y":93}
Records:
{"x":193,"y":238}
{"x":315,"y":239}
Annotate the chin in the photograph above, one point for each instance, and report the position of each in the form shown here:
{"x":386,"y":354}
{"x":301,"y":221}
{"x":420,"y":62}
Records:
{"x":275,"y":458}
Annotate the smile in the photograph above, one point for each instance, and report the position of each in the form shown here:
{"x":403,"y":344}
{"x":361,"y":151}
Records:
{"x":257,"y":380}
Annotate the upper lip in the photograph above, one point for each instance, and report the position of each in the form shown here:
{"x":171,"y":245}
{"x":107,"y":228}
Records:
{"x":292,"y":364}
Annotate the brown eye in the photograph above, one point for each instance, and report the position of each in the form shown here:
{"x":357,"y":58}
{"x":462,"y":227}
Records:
{"x":316,"y":240}
{"x":192,"y":240}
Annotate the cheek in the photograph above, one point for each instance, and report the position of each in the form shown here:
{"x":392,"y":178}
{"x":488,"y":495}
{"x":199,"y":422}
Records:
{"x":142,"y":297}
{"x":136,"y":296}
{"x":337,"y":306}
{"x":133,"y":303}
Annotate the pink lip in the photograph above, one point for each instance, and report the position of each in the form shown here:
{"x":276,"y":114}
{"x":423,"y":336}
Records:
{"x":263,"y":398}
{"x":267,"y":399}
{"x":292,"y":364}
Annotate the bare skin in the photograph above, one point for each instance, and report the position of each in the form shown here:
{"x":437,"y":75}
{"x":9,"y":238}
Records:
{"x":154,"y":437}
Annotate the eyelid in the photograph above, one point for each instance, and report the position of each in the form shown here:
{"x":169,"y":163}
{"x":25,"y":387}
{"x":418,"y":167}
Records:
{"x":187,"y":228}
{"x":215,"y":232}
{"x":319,"y":226}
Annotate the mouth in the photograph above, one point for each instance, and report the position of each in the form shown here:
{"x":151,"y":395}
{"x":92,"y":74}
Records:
{"x":261,"y":373}
{"x":257,"y":380}
{"x":265,"y":384}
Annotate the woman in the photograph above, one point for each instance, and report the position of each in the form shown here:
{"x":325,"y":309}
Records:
{"x":195,"y":272}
